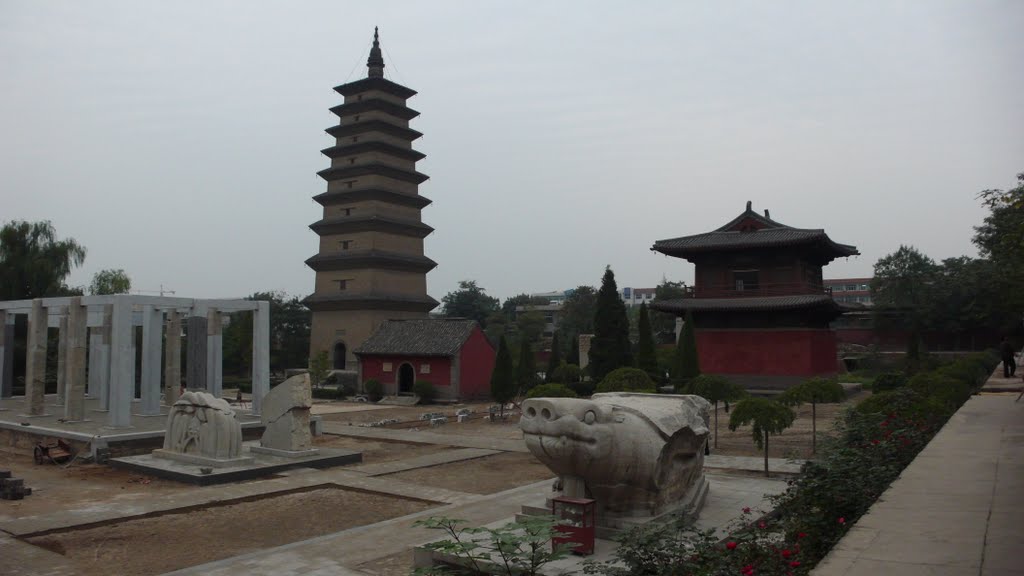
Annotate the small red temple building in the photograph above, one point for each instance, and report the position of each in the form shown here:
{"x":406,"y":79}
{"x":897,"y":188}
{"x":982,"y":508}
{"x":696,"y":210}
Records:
{"x":453,"y":354}
{"x":760,"y":308}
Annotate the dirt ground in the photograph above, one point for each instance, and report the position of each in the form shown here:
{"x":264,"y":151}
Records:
{"x":482,"y":475}
{"x":151,"y":545}
{"x":56,"y":488}
{"x":403,"y":413}
{"x":794,"y":442}
{"x":375,"y":451}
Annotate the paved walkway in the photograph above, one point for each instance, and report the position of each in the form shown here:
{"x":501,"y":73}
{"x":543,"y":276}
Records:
{"x":956,"y":510}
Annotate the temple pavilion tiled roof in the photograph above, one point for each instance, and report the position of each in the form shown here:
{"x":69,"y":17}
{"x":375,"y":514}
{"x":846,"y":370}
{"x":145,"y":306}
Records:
{"x":421,"y":337}
{"x":754,"y":304}
{"x":751,"y":230}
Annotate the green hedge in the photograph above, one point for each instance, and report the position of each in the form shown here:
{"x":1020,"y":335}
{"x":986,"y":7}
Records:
{"x":425,"y":390}
{"x":374,"y":390}
{"x":626,"y":380}
{"x":551,"y":390}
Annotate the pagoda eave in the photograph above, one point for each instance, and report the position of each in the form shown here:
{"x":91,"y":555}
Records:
{"x":371,"y":259}
{"x":363,"y":147}
{"x":375,"y":105}
{"x":382,"y":84}
{"x":369,"y":126}
{"x":351,"y":224}
{"x":373,"y":169}
{"x":373,"y":301}
{"x":389,"y":196}
{"x":754,"y":304}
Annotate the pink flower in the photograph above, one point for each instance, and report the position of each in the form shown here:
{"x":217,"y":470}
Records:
{"x":801,"y":535}
{"x":874,"y":442}
{"x":794,"y":563}
{"x":786,"y":553}
{"x":761,"y":525}
{"x":730,"y":545}
{"x":746,"y":510}
{"x":842,"y":520}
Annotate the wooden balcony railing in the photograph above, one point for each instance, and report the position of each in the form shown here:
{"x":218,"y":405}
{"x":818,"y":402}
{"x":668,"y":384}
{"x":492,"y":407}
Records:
{"x":733,"y":291}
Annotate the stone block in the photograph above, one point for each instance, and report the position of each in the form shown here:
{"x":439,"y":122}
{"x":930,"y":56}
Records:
{"x":463,"y":418}
{"x":285,"y":415}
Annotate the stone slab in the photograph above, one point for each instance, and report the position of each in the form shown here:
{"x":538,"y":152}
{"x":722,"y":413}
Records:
{"x":261,"y":465}
{"x":425,"y":461}
{"x":197,"y":460}
{"x":283,"y":453}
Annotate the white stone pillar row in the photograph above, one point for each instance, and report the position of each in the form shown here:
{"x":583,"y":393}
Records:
{"x":62,"y":356}
{"x":172,"y":358}
{"x":152,"y":352}
{"x":260,"y":355}
{"x":74,"y":377}
{"x":214,"y":352}
{"x":3,"y":356}
{"x":103,"y":363}
{"x":122,"y":365}
{"x":35,"y":365}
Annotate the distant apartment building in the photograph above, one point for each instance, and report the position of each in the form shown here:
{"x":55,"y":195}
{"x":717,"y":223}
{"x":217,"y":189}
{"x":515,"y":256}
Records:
{"x":850,"y":290}
{"x":637,"y":296}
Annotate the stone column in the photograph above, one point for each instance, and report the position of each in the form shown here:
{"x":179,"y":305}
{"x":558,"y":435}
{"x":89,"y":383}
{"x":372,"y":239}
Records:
{"x":195,"y":375}
{"x":260,"y":355}
{"x":74,"y":378}
{"x":62,"y":356}
{"x":121,"y":388}
{"x":214,"y":352}
{"x":172,"y":358}
{"x":35,"y":365}
{"x":104,"y":359}
{"x":7,"y":359}
{"x":152,"y":335}
{"x":4,"y":362}
{"x":93,"y":385}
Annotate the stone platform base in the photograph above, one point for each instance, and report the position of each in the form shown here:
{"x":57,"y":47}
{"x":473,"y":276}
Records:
{"x":284,"y":453}
{"x":609,"y":526}
{"x":202,"y":460}
{"x":260,"y":465}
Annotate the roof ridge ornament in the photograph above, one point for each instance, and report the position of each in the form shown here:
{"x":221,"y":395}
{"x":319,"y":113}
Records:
{"x":375,"y":63}
{"x":749,"y":206}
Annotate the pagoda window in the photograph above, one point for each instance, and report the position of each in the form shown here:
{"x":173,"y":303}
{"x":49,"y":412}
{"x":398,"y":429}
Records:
{"x":346,"y":211}
{"x":346,"y":244}
{"x":355,"y":138}
{"x":745,"y":280}
{"x":356,"y":119}
{"x":343,"y":284}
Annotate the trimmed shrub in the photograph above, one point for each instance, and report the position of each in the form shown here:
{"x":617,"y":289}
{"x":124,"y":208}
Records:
{"x":551,"y":390}
{"x":327,"y":393}
{"x":569,"y":373}
{"x":425,"y":390}
{"x":889,"y":381}
{"x":906,"y":403}
{"x":949,"y":391}
{"x":583,"y":387}
{"x":374,"y":390}
{"x":626,"y":380}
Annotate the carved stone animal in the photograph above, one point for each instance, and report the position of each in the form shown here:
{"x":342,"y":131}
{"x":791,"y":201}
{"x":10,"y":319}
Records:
{"x":633,"y":453}
{"x":203,"y":425}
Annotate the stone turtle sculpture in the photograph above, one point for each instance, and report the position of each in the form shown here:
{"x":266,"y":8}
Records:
{"x":636,"y":454}
{"x":202,"y":425}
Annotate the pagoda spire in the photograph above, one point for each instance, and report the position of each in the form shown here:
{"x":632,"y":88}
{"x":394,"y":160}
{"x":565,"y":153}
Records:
{"x":375,"y":62}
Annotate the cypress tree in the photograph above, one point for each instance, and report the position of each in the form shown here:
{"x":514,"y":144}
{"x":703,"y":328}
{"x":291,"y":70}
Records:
{"x":574,"y":351}
{"x":554,"y":360}
{"x":686,"y":365}
{"x":610,"y":347}
{"x":646,"y":358}
{"x":503,"y":386}
{"x":526,"y":369}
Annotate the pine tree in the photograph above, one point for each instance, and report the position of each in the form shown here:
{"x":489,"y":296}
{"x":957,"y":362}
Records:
{"x":646,"y":358}
{"x":503,"y":385}
{"x":686,"y":365}
{"x":610,"y":347}
{"x":574,"y":351}
{"x":526,"y":369}
{"x":555,"y":360}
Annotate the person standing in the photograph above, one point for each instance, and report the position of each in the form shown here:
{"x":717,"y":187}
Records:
{"x":1009,"y":363}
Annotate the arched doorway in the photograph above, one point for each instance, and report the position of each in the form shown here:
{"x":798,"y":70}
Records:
{"x":339,"y":356}
{"x":406,"y":377}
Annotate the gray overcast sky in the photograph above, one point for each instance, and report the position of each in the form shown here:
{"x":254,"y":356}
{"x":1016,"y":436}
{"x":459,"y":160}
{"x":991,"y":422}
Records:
{"x":180,"y":140}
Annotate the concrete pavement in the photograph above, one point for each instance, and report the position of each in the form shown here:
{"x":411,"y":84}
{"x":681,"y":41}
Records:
{"x":955,"y":510}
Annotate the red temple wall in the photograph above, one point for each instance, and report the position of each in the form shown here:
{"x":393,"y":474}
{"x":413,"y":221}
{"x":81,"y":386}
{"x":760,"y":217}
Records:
{"x":797,"y":352}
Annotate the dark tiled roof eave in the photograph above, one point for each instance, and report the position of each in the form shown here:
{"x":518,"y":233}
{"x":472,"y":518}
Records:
{"x":349,"y":224}
{"x":755,"y":304}
{"x":371,"y":259}
{"x":426,"y":337}
{"x":382,"y":84}
{"x":390,"y":196}
{"x":764,"y":238}
{"x":375,"y":105}
{"x":344,"y":131}
{"x":371,"y":301}
{"x":373,"y":146}
{"x":372,"y":169}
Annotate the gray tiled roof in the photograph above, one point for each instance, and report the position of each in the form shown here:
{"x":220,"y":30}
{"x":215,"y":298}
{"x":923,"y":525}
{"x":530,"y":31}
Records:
{"x":426,"y":337}
{"x":756,"y":304}
{"x":773,"y":234}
